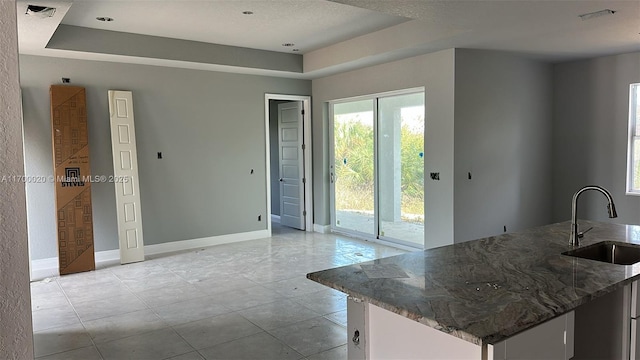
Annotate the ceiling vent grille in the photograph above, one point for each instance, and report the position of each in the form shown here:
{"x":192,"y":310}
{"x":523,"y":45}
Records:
{"x":40,"y":11}
{"x":595,"y":14}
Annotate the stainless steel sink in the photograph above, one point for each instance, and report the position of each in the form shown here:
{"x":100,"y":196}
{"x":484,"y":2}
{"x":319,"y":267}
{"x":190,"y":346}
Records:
{"x":609,"y":251}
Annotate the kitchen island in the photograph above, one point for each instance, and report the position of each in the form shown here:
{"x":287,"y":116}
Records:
{"x":505,"y":296}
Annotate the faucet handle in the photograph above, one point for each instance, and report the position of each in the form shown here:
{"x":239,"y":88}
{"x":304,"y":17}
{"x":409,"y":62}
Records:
{"x":581,"y":234}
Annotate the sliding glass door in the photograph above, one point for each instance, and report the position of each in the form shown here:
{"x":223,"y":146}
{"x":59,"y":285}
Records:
{"x":377,"y":167}
{"x":401,"y":167}
{"x":353,"y":175}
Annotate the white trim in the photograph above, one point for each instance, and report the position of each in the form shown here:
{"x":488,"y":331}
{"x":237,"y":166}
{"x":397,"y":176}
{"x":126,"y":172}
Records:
{"x":44,"y":268}
{"x":308,"y":151}
{"x":404,"y":245}
{"x":203,"y":242}
{"x":323,"y":229}
{"x":369,"y":238}
{"x":107,"y":256}
{"x":633,"y":89}
{"x":275,"y":218}
{"x":383,"y":241}
{"x":26,"y":188}
{"x":267,"y":152}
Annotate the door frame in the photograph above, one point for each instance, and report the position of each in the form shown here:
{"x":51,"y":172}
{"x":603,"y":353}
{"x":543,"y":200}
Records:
{"x":308,"y":164}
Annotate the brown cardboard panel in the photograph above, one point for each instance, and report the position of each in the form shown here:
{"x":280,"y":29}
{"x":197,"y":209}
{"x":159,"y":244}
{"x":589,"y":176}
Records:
{"x":72,"y":179}
{"x":79,"y":264}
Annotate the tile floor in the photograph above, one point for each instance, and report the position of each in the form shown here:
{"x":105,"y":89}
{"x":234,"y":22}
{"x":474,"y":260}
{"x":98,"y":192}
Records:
{"x":248,"y":300}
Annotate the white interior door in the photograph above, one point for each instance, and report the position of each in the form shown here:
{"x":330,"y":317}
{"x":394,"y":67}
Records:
{"x":290,"y":152}
{"x":125,"y":170}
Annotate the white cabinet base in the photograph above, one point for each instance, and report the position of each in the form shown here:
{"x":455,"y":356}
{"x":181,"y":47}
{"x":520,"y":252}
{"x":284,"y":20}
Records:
{"x":392,"y":336}
{"x":551,"y":340}
{"x":356,"y":331}
{"x":385,"y":335}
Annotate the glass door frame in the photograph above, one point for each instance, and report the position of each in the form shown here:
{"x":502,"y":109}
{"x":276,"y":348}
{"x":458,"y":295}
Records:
{"x":376,"y":231}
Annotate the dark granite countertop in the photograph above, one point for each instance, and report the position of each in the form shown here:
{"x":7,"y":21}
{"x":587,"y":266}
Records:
{"x":487,"y":290}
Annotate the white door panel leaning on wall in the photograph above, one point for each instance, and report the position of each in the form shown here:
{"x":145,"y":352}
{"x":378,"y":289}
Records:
{"x":125,"y":171}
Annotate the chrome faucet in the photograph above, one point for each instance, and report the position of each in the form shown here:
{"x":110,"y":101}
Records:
{"x":611,"y":208}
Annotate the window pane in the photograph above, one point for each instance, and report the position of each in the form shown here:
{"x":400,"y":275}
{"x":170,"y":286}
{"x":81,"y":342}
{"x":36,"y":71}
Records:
{"x":353,"y":153}
{"x":633,"y":170}
{"x":635,"y":186}
{"x":636,"y":89}
{"x":401,"y":164}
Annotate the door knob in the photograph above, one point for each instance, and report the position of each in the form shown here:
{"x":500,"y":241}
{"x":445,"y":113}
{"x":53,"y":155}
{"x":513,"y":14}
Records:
{"x":281,"y":180}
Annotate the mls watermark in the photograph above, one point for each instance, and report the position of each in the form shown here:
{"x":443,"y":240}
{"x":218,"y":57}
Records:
{"x":65,"y":180}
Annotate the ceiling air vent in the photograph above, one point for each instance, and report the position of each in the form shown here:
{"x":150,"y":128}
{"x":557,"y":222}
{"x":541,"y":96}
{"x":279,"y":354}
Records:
{"x":40,"y":11}
{"x":595,"y":14}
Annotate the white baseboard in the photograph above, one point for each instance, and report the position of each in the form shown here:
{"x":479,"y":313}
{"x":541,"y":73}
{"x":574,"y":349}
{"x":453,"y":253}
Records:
{"x":324,"y":229}
{"x":107,"y":256}
{"x":275,"y":218}
{"x":203,"y":242}
{"x":44,"y":268}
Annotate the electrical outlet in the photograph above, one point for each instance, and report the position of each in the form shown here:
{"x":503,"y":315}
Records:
{"x":159,"y":155}
{"x":259,"y":217}
{"x":435,"y":176}
{"x":504,"y":228}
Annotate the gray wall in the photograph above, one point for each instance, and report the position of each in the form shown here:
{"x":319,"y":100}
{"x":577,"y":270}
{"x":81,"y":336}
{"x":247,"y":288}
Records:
{"x":503,"y":116}
{"x":591,"y":113}
{"x":502,"y":106}
{"x":433,"y":71}
{"x":84,"y":39}
{"x":208,"y":125}
{"x":16,"y":335}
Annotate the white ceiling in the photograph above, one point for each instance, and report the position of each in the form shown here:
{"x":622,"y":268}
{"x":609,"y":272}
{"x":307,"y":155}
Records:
{"x":343,"y":34}
{"x":546,"y":29}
